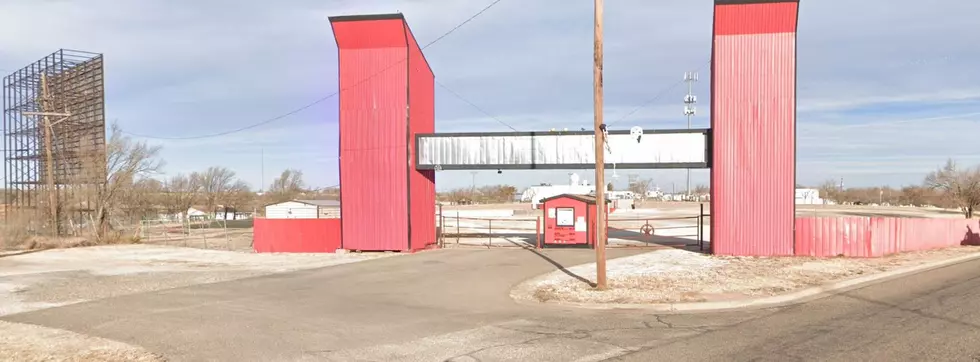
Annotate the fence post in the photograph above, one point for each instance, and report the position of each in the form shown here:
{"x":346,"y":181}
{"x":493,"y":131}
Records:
{"x":537,"y":232}
{"x":490,"y":239}
{"x":701,"y":228}
{"x":457,"y":227}
{"x":442,"y":226}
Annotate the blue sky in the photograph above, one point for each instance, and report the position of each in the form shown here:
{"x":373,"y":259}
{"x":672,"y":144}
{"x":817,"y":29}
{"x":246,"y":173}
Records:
{"x":888,"y":89}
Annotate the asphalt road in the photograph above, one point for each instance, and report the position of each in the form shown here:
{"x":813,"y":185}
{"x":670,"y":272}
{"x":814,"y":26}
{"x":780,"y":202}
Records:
{"x":452,"y":305}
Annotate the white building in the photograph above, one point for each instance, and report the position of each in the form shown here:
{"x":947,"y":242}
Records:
{"x":304,"y":209}
{"x":535,"y":194}
{"x":809,"y":197}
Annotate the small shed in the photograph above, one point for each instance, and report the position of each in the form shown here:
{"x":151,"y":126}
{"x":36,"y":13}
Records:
{"x":304,"y":209}
{"x":569,"y":219}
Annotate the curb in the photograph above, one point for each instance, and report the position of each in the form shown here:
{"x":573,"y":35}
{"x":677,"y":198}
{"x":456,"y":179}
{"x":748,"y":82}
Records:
{"x":522,"y":293}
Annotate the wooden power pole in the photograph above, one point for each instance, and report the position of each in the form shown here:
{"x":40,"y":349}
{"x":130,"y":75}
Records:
{"x":48,"y":130}
{"x":49,"y":156}
{"x":600,"y":169}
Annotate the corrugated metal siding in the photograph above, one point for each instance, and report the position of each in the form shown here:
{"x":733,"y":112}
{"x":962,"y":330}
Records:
{"x":373,"y":140}
{"x":422,"y":184}
{"x":291,"y":210}
{"x":875,"y":237}
{"x":753,"y":121}
{"x":296,"y":235}
{"x":329,"y":212}
{"x":826,"y":237}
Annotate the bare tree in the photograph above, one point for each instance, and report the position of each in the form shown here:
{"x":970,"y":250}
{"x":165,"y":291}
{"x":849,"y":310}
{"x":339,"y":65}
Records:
{"x":180,"y":193}
{"x":961,"y":186}
{"x":640,"y":187}
{"x":216,"y":184}
{"x":240,"y":196}
{"x":287,"y":186}
{"x":127,"y":161}
{"x":830,"y":190}
{"x":143,"y":198}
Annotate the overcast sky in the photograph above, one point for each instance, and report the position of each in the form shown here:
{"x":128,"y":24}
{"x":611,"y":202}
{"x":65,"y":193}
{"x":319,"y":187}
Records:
{"x":888,"y":89}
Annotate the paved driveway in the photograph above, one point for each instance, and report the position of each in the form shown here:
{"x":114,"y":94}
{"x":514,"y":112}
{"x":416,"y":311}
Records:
{"x":453,"y":305}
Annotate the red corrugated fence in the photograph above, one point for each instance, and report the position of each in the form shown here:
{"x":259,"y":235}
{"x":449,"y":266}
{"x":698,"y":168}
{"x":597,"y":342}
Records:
{"x":296,"y":235}
{"x":875,"y":237}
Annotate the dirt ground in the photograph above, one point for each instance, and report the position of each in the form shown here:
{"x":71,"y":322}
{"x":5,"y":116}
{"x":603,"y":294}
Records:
{"x":672,"y":276}
{"x":59,"y":277}
{"x":30,"y":343}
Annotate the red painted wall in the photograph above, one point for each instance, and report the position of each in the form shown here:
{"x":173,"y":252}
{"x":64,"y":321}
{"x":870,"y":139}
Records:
{"x":296,"y":235}
{"x":422,"y":112}
{"x":753,"y":122}
{"x":386,"y":96}
{"x":875,"y":237}
{"x":566,"y":235}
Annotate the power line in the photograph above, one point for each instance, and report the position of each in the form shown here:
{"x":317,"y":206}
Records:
{"x":656,"y":97}
{"x":475,"y":106}
{"x":321,"y":100}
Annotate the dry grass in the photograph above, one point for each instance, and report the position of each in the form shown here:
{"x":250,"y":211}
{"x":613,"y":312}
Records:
{"x":677,"y":278}
{"x":16,"y":235}
{"x":30,"y":343}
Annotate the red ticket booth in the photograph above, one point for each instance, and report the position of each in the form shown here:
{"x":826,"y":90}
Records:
{"x":569,"y":219}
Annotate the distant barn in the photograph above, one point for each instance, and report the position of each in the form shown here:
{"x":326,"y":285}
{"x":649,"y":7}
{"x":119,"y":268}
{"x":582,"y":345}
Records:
{"x":304,"y":209}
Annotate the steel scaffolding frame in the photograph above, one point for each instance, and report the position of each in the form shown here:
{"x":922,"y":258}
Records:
{"x":54,"y":109}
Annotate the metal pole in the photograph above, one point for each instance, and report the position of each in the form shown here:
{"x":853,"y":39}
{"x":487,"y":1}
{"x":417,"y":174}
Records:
{"x":262,"y":162}
{"x":600,"y":182}
{"x":490,"y":238}
{"x":442,"y":228}
{"x":690,"y":110}
{"x":701,"y":228}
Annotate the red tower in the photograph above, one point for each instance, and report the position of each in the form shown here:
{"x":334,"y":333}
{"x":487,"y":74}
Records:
{"x":753,"y":124}
{"x":387,"y":96}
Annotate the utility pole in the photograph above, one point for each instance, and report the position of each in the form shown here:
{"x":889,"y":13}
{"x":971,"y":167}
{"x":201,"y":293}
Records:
{"x":49,"y":156}
{"x":600,"y":169}
{"x":262,"y":177}
{"x":690,"y":109}
{"x":48,"y":129}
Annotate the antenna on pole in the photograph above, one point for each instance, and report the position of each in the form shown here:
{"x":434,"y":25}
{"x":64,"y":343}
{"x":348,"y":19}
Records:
{"x":690,"y":109}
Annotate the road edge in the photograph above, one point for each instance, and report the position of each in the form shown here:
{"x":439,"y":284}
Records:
{"x":523,"y":292}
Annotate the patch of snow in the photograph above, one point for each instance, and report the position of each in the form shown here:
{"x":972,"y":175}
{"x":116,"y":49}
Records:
{"x":665,"y":262}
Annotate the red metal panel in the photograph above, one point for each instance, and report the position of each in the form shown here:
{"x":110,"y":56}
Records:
{"x":373,"y":133}
{"x":830,"y":237}
{"x":296,"y":235}
{"x":876,"y":237}
{"x":760,"y":18}
{"x":753,"y":122}
{"x":422,"y":184}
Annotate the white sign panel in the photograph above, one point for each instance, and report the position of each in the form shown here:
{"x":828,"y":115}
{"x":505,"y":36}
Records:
{"x":560,"y":150}
{"x":566,"y":217}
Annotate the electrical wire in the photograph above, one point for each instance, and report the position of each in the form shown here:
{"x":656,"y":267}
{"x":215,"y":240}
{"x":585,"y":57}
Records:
{"x":655,"y":98}
{"x":321,"y":100}
{"x":475,"y":106}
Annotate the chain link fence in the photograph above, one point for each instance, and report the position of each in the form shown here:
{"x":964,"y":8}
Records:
{"x":230,"y":235}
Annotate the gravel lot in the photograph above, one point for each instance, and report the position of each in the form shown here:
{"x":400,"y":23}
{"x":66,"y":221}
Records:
{"x":58,"y":277}
{"x":673,"y":275}
{"x":30,"y":343}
